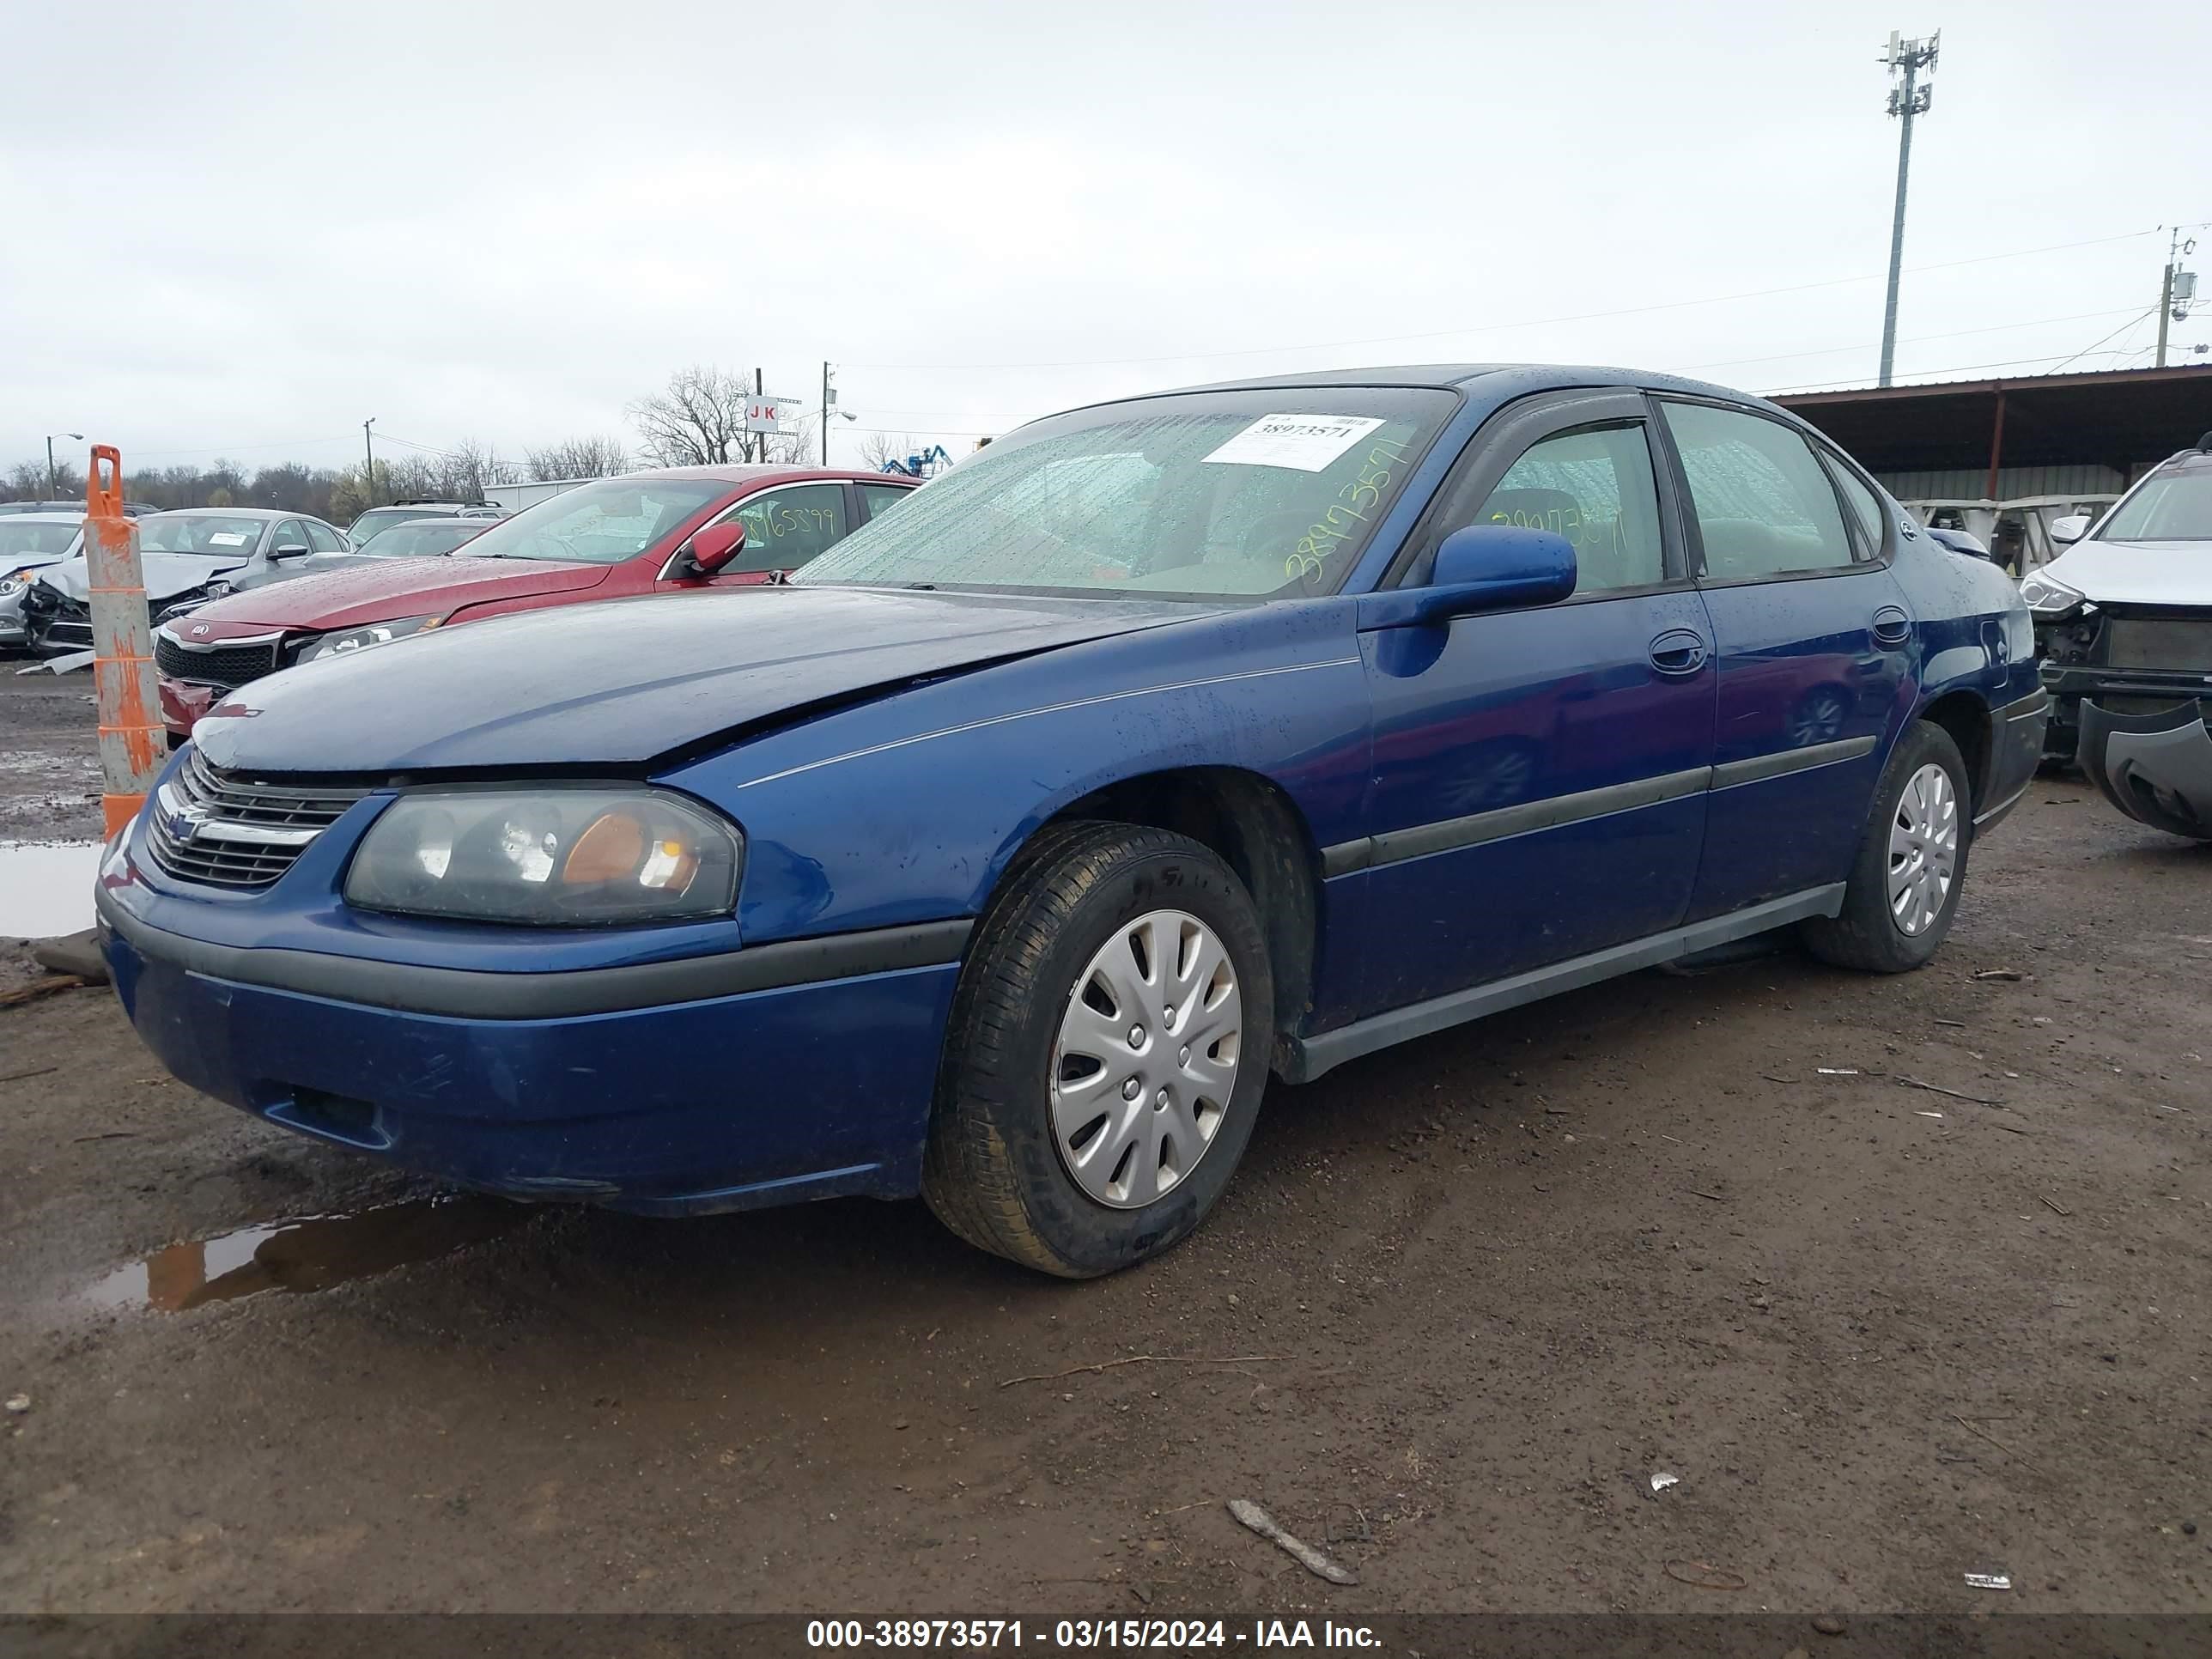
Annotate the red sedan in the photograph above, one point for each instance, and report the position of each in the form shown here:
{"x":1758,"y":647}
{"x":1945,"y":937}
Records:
{"x":680,"y":530}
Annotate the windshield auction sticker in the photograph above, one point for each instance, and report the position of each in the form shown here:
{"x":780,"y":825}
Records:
{"x":1306,"y":442}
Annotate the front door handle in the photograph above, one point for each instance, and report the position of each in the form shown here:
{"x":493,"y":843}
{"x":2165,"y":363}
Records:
{"x":1679,"y":651}
{"x":1891,"y":626}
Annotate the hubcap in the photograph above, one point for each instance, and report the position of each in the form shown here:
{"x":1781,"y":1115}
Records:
{"x":1132,"y":1115}
{"x":1923,"y":850}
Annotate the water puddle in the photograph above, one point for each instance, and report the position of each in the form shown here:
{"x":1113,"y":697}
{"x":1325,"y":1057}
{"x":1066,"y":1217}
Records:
{"x":311,"y":1254}
{"x":46,"y":887}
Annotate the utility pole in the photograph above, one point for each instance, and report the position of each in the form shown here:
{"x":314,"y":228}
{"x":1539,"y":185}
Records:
{"x":829,"y":400}
{"x":54,"y":488}
{"x":369,"y":478}
{"x":758,"y":440}
{"x":1905,"y":102}
{"x":2175,"y":290}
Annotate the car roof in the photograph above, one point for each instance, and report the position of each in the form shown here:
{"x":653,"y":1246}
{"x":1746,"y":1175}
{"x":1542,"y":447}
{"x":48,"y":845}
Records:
{"x":264,"y":513}
{"x":439,"y":521}
{"x":743,"y":472}
{"x":1514,"y":380}
{"x":44,"y":517}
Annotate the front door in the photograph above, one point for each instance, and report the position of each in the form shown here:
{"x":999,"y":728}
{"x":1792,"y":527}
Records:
{"x":784,"y":527}
{"x":1540,"y":774}
{"x":1813,"y":637}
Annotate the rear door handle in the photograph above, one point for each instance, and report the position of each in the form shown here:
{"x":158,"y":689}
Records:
{"x":1679,"y":651}
{"x":1891,"y":626}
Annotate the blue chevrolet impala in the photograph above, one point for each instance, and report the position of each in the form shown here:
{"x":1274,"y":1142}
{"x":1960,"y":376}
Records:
{"x":1005,"y":852}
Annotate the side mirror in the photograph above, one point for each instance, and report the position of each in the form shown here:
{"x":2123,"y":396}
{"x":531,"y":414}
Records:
{"x":1483,"y":567}
{"x":716,"y":545}
{"x":289,"y":550}
{"x":2070,"y":529}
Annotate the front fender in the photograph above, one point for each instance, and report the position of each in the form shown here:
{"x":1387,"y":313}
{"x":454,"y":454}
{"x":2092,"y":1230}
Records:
{"x":909,"y":807}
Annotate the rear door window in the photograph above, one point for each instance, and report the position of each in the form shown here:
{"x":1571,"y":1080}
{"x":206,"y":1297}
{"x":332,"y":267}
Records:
{"x":1764,"y":505}
{"x":878,"y":499}
{"x":322,"y":538}
{"x":1865,"y":505}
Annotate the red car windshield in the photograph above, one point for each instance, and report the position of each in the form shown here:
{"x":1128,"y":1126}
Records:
{"x":602,"y":523}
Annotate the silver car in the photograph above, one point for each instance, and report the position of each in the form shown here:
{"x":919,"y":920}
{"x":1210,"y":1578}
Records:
{"x":183,"y":554}
{"x":29,"y":542}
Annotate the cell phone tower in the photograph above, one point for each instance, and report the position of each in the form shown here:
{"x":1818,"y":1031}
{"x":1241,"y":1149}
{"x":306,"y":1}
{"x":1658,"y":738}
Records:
{"x":1909,"y":94}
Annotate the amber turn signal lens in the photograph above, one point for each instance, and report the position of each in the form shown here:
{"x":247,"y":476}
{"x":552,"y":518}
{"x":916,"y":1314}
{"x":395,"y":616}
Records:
{"x":607,"y":851}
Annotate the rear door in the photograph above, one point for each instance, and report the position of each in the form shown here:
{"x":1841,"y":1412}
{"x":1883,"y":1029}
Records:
{"x":877,"y":498}
{"x":1815,"y":641}
{"x":1540,"y":774}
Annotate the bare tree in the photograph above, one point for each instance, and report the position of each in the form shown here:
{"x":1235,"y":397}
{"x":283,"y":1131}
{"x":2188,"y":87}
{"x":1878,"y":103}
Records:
{"x":471,"y":465}
{"x":878,"y":449}
{"x":699,"y":421}
{"x":599,"y":456}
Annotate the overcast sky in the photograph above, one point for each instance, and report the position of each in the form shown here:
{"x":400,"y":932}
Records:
{"x":263,"y":223}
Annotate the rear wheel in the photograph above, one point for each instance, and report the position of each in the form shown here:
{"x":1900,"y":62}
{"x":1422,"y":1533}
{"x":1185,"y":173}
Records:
{"x":1912,"y":864}
{"x":1106,"y":1055}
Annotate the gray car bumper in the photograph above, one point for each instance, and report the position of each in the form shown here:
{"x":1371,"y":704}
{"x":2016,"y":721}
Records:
{"x":2156,"y":768}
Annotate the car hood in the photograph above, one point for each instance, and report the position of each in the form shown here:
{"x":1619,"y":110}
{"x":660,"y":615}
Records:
{"x":2136,"y":573}
{"x":318,"y":564}
{"x":165,"y":574}
{"x":366,"y":590}
{"x":9,"y":563}
{"x":624,"y":682}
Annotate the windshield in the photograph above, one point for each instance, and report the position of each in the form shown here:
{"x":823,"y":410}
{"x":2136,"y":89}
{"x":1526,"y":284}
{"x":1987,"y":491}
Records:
{"x":417,"y":541}
{"x":602,"y":523}
{"x":1208,"y":495}
{"x":2172,"y":507}
{"x":18,"y":538}
{"x":378,"y":520}
{"x":210,"y":534}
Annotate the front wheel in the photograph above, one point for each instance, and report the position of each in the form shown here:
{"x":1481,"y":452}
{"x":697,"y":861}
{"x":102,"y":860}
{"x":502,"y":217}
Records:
{"x":1911,"y":862}
{"x":1106,"y":1054}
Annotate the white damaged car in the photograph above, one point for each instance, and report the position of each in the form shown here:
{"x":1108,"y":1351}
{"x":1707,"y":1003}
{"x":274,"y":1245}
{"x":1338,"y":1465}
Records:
{"x":2124,"y":627}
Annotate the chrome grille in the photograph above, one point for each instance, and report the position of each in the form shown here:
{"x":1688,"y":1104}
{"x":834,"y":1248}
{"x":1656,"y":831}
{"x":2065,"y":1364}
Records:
{"x":226,"y":666}
{"x":229,"y":829}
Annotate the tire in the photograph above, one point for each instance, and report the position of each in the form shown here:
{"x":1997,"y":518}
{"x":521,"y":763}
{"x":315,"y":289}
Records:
{"x":1000,"y":1169}
{"x":1867,"y":934}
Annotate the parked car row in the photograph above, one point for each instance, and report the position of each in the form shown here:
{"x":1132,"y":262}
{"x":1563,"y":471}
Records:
{"x":194,"y":555}
{"x":677,"y":530}
{"x":1003,"y":850}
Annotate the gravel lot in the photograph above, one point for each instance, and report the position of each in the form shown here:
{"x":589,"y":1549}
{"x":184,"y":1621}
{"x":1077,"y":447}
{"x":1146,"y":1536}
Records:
{"x":1465,"y":1300}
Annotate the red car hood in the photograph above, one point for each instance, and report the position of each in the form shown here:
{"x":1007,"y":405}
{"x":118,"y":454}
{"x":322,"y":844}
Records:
{"x":388,"y":591}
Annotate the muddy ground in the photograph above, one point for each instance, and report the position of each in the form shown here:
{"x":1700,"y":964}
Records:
{"x":1471,"y":1296}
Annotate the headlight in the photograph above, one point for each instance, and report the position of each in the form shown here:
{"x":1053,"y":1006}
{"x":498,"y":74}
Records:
{"x":548,"y":858}
{"x":13,"y":583}
{"x":181,"y":605}
{"x":360,"y":639}
{"x":2048,"y":599}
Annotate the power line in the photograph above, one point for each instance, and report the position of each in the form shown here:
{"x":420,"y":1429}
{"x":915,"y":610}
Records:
{"x":1532,"y":322}
{"x":1958,"y":368}
{"x":2133,"y":322}
{"x":1922,"y":339}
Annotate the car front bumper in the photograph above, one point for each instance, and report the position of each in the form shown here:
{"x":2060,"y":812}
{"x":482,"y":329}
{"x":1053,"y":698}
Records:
{"x":2155,"y":765}
{"x":810,"y":1089}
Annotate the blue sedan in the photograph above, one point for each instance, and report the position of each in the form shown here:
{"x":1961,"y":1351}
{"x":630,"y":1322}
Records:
{"x":1004,"y":854}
